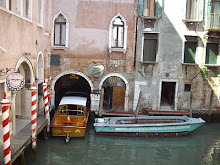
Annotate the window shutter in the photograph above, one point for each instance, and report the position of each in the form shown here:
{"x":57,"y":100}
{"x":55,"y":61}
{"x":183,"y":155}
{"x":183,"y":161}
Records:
{"x":200,"y":10}
{"x":211,"y":53}
{"x":140,"y":7}
{"x":158,"y":4}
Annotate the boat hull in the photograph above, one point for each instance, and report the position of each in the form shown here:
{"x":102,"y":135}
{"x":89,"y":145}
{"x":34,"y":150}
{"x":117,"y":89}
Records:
{"x":147,"y":126}
{"x":72,"y":131}
{"x":146,"y":134}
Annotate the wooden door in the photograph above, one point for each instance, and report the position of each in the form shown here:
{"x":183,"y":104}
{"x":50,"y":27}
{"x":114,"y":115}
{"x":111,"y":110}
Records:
{"x":118,"y":98}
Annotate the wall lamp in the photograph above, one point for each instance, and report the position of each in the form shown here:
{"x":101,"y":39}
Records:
{"x":5,"y":71}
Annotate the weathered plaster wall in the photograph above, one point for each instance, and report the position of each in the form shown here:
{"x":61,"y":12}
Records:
{"x":88,"y":38}
{"x":171,"y":30}
{"x":20,"y":35}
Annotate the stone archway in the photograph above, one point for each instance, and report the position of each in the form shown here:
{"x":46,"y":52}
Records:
{"x":23,"y":99}
{"x":40,"y":67}
{"x":74,"y":78}
{"x":114,"y":92}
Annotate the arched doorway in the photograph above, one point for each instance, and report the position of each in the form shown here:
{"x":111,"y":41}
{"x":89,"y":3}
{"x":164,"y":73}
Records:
{"x":40,"y":67}
{"x":22,"y":103}
{"x":21,"y":100}
{"x":39,"y":81}
{"x":114,"y":92}
{"x":73,"y":83}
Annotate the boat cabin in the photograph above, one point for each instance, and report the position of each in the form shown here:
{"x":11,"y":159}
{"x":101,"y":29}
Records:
{"x":71,"y":117}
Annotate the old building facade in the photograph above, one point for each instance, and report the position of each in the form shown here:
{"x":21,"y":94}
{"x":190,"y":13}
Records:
{"x":121,"y":53}
{"x":24,"y":47}
{"x":93,"y":45}
{"x":177,"y":57}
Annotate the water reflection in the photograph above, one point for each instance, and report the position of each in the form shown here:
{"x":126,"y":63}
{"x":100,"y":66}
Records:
{"x":200,"y":147}
{"x":212,"y":156}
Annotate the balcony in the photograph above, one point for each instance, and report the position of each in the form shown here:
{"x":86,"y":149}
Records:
{"x":213,"y":22}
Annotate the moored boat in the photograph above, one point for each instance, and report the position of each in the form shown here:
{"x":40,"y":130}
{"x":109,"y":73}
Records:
{"x":147,"y":126}
{"x":71,"y":117}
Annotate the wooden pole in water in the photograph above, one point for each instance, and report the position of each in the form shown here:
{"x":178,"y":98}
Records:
{"x":6,"y":130}
{"x":190,"y":103}
{"x":101,"y":102}
{"x":33,"y":115}
{"x":46,"y":105}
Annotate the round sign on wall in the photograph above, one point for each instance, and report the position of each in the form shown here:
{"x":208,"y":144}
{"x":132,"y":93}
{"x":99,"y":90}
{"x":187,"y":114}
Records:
{"x":97,"y":70}
{"x":15,"y":81}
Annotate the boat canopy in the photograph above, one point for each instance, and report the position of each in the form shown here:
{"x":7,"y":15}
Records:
{"x":73,"y":100}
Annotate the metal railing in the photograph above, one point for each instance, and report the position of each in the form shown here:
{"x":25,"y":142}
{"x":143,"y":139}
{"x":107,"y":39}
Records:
{"x":213,"y":22}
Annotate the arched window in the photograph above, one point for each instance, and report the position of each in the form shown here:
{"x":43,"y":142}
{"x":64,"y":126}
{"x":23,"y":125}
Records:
{"x":118,"y":34}
{"x":60,"y":31}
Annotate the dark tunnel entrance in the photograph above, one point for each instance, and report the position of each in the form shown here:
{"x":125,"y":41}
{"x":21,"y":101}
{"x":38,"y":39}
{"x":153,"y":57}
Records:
{"x":71,"y":83}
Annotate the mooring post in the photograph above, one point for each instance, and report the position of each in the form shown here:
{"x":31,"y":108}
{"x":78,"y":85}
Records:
{"x":45,"y":133}
{"x":190,"y":102}
{"x":46,"y":105}
{"x":34,"y":118}
{"x":101,"y":102}
{"x":22,"y":159}
{"x":6,"y":130}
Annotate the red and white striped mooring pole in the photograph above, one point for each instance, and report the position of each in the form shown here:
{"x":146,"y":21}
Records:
{"x":33,"y":114}
{"x":46,"y":105}
{"x":6,"y":130}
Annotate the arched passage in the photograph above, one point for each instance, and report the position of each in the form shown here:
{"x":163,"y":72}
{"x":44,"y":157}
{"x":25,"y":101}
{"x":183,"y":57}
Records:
{"x":40,"y":67}
{"x":23,"y":97}
{"x":115,"y":92}
{"x":70,"y":81}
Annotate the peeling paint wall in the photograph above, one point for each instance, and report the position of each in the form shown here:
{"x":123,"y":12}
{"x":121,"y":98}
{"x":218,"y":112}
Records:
{"x":171,"y":30}
{"x":20,"y":42}
{"x":88,"y":40}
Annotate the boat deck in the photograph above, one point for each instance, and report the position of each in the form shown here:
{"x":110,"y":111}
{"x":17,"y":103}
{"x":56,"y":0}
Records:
{"x":147,"y":112}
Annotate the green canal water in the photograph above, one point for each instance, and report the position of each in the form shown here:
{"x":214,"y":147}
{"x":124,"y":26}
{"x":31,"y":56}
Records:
{"x":202,"y":147}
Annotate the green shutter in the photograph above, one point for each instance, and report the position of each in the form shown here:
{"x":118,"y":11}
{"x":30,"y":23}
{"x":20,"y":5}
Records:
{"x":158,"y":12}
{"x":190,"y":52}
{"x":150,"y":50}
{"x":140,"y":7}
{"x":211,"y":53}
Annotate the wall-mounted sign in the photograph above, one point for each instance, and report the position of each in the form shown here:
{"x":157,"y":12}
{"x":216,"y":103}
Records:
{"x":15,"y":81}
{"x":97,"y":70}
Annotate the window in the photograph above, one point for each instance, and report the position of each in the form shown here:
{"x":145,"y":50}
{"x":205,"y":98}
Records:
{"x":117,"y":34}
{"x":150,"y":47}
{"x":40,"y":12}
{"x":190,"y":49}
{"x":26,"y":9}
{"x":187,"y":88}
{"x":215,"y":6}
{"x":212,"y":52}
{"x":149,"y":8}
{"x":214,"y":15}
{"x":191,"y":9}
{"x":3,"y":3}
{"x":20,"y":7}
{"x":60,"y":31}
{"x":194,"y":10}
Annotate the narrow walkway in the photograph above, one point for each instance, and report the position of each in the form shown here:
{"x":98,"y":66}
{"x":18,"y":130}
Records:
{"x":22,"y":139}
{"x":20,"y":124}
